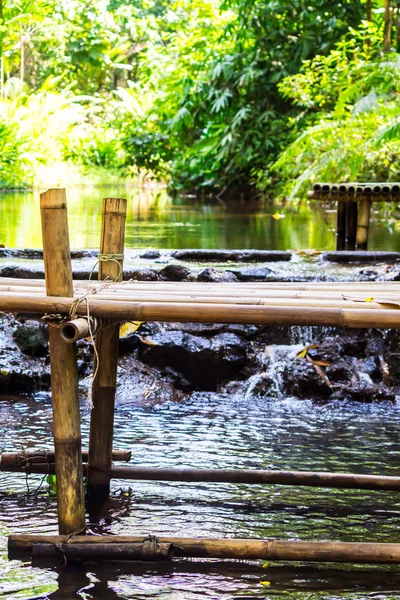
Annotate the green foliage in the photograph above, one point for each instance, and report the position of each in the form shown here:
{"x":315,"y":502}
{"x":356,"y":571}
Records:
{"x":350,"y":125}
{"x":218,"y":107}
{"x":207,"y":94}
{"x":14,"y":171}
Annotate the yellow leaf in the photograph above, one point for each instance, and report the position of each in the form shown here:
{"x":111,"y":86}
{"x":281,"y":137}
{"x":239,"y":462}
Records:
{"x":278,"y":216}
{"x":4,"y":372}
{"x":370,"y":299}
{"x":265,"y":565}
{"x":265,"y":582}
{"x":303,"y":353}
{"x":128,"y":328}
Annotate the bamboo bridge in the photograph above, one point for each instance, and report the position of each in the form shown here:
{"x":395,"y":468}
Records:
{"x":76,"y":310}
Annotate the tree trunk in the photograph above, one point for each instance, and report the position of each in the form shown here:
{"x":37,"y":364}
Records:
{"x":388,"y":27}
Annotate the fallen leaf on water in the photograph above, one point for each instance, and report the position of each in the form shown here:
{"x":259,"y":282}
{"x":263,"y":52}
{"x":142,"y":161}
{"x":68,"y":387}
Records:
{"x":265,"y":565}
{"x":265,"y":582}
{"x":278,"y":216}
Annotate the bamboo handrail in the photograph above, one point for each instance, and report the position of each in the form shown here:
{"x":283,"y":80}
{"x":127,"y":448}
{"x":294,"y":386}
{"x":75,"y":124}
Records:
{"x":203,"y":313}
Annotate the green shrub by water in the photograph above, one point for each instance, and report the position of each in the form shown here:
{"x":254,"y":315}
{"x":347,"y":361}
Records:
{"x":206,"y":94}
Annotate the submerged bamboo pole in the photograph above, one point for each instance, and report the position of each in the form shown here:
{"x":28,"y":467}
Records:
{"x":64,"y":374}
{"x":106,"y":357}
{"x":364,"y":213}
{"x":246,"y":549}
{"x":349,"y":481}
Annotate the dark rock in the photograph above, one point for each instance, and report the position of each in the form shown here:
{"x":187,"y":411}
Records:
{"x":340,"y":371}
{"x":361,"y":256}
{"x":201,"y":361}
{"x":232,"y":255}
{"x":301,"y":379}
{"x":140,"y":274}
{"x":209,"y":274}
{"x":31,"y":338}
{"x":150,"y":254}
{"x":256,"y":274}
{"x":175,"y":273}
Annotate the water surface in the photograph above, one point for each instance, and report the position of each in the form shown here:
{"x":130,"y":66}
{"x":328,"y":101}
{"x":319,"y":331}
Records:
{"x":155,"y":220}
{"x":209,"y":430}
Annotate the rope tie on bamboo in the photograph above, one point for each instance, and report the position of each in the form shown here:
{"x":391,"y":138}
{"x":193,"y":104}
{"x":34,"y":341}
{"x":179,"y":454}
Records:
{"x":116,"y":258}
{"x":24,"y":462}
{"x":59,"y":545}
{"x":149,"y":549}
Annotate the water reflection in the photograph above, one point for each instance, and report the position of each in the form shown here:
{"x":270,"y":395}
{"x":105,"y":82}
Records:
{"x":159,"y":221}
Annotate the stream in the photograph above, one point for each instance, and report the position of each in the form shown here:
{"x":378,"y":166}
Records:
{"x":205,"y":429}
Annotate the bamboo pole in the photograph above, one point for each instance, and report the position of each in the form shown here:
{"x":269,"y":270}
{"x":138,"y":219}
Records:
{"x":349,"y":481}
{"x":246,"y":549}
{"x":64,"y":374}
{"x":146,"y":550}
{"x":23,"y":460}
{"x":364,"y":213}
{"x":351,"y":225}
{"x":341,"y":225}
{"x":219,"y":297}
{"x":204,"y":313}
{"x":106,"y":358}
{"x":82,"y":286}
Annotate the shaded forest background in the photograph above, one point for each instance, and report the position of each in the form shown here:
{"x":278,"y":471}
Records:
{"x":261,"y":96}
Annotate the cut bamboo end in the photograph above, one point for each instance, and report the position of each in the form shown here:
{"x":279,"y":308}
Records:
{"x":79,"y":329}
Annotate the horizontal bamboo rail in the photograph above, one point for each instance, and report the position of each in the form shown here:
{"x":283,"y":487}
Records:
{"x":202,"y":313}
{"x":84,"y":285}
{"x":234,"y":297}
{"x":235,"y":476}
{"x":245,"y":549}
{"x":79,"y":329}
{"x":20,"y":460}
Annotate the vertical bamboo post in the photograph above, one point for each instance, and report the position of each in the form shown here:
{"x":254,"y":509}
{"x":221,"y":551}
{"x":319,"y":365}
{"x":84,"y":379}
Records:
{"x":106,"y":340}
{"x":64,"y":374}
{"x":341,"y":226}
{"x":364,"y":213}
{"x":351,"y":225}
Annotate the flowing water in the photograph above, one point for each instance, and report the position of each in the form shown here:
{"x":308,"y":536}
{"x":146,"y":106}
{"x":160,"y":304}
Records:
{"x":210,"y":430}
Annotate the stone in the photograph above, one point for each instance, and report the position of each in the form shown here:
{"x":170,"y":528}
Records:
{"x":201,"y":361}
{"x":249,"y":274}
{"x":150,"y":254}
{"x":31,"y":338}
{"x":175,"y":273}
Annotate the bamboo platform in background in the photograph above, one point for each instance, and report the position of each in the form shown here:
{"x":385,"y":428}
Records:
{"x":354,"y":202}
